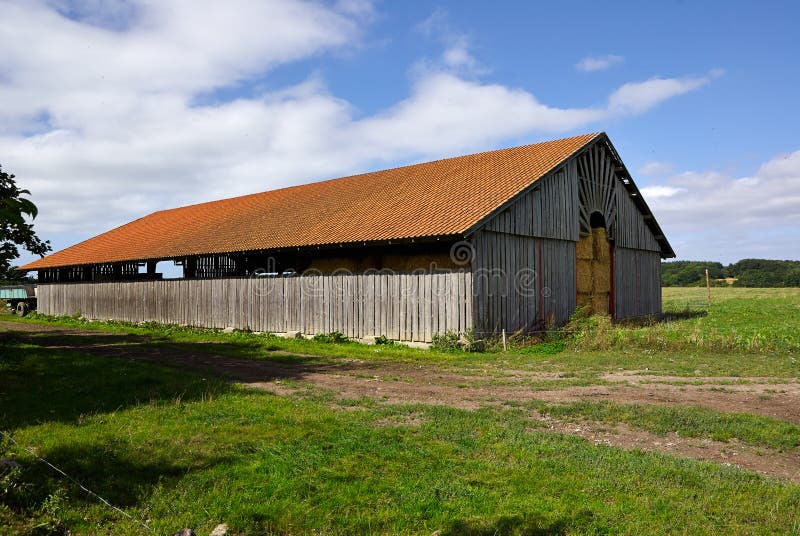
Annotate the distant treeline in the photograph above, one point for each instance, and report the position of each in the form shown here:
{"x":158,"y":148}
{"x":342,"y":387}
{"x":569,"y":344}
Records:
{"x":747,"y":272}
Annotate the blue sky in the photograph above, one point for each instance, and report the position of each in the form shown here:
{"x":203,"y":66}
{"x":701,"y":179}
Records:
{"x":111,"y":110}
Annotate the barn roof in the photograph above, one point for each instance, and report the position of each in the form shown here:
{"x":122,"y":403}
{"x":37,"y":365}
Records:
{"x":434,"y":199}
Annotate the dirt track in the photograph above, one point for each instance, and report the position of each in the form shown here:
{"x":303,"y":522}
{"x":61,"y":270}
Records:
{"x":408,"y":383}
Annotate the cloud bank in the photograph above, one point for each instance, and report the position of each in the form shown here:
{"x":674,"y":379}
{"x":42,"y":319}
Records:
{"x":715,"y":216}
{"x":115,"y":111}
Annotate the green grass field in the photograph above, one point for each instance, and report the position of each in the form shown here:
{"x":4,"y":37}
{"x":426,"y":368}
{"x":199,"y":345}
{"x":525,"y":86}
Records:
{"x":175,"y":448}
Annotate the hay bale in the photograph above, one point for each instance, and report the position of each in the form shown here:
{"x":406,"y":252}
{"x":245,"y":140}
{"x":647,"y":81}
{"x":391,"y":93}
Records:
{"x":584,"y":248}
{"x":602,"y":247}
{"x":600,"y":303}
{"x":584,"y":298}
{"x":334,"y":264}
{"x":584,"y":276}
{"x":427,"y":262}
{"x":601,"y":277}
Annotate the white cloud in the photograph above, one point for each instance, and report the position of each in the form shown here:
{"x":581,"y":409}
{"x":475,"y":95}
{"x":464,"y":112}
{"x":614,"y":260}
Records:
{"x":457,"y":56}
{"x":718,"y":216}
{"x":656,"y":192}
{"x":638,"y":97}
{"x":108,"y":118}
{"x":652,"y":169}
{"x":598,"y":63}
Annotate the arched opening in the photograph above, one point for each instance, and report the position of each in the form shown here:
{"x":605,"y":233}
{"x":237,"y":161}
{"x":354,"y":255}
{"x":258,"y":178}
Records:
{"x":594,"y":256}
{"x":597,"y":220}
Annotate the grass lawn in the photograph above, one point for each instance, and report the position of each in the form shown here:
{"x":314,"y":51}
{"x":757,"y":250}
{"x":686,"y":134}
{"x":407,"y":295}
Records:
{"x":175,"y":448}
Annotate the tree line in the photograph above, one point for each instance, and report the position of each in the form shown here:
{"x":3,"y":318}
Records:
{"x":747,"y":273}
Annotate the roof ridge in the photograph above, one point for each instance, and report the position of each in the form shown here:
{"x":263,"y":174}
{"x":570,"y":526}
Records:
{"x":435,"y":198}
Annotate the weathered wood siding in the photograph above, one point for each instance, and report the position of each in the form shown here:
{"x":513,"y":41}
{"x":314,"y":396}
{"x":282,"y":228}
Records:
{"x":637,"y":282}
{"x":547,"y":210}
{"x":630,"y":229}
{"x":521,"y":282}
{"x":406,"y":307}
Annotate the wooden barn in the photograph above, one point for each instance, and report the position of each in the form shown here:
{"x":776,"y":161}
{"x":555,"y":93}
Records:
{"x":513,"y":239}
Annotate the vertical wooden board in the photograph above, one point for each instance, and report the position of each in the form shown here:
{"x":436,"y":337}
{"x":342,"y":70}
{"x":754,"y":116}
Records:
{"x":469,"y":321}
{"x":435,"y":300}
{"x":330,"y":290}
{"x":313,"y":294}
{"x":443,"y":295}
{"x":451,"y":318}
{"x":268,"y":303}
{"x":375,"y":286}
{"x":390,"y":308}
{"x":410,"y":306}
{"x":260,"y":303}
{"x":403,"y":305}
{"x":350,"y":302}
{"x":393,"y":305}
{"x":360,"y":305}
{"x":286,"y":304}
{"x":420,"y":309}
{"x":462,"y":328}
{"x":354,"y":281}
{"x":335,"y":303}
{"x":426,"y":306}
{"x":413,"y":306}
{"x":380,"y":304}
{"x":187,"y":295}
{"x":347,"y":311}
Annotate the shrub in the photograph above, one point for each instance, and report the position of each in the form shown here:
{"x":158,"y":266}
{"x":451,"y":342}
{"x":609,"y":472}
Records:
{"x":334,"y":337}
{"x":446,"y":342}
{"x":453,"y":342}
{"x":384,"y":340}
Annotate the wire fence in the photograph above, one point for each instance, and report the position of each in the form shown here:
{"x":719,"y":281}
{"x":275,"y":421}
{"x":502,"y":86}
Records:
{"x":75,"y":481}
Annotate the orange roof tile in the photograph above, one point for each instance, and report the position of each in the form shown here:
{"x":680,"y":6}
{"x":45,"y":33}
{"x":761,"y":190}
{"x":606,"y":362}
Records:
{"x":445,"y":197}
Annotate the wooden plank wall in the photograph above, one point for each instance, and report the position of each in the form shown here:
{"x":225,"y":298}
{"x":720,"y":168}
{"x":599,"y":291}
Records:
{"x":630,"y":230}
{"x":406,"y":307}
{"x":637,"y":282}
{"x":548,"y":210}
{"x":521,"y":282}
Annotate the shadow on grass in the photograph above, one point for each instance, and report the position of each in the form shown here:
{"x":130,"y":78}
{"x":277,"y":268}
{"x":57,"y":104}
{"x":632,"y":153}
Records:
{"x":55,"y":376}
{"x":120,"y":473}
{"x":523,"y":526}
{"x":40,"y":384}
{"x":666,"y":317}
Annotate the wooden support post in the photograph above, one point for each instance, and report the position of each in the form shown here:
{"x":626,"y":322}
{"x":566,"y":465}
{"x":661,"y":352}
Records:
{"x":504,"y":340}
{"x":190,"y":267}
{"x":151,"y":269}
{"x":708,"y":287}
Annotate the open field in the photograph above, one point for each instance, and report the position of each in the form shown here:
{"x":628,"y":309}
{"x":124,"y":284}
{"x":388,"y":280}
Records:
{"x":603,"y":431}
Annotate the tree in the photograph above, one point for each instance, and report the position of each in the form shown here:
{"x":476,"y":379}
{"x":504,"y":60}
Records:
{"x":15,"y":231}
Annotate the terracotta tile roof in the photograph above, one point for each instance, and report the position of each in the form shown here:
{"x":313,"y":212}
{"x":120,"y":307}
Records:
{"x":445,"y":197}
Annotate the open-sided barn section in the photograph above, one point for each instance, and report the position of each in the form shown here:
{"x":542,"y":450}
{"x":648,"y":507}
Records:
{"x":513,"y":239}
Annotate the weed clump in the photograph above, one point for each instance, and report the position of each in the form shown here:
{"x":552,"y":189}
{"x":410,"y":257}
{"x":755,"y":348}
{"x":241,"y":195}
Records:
{"x":451,"y":341}
{"x":334,"y":337}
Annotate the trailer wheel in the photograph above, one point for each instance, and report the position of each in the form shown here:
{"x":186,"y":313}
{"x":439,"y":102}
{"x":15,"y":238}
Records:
{"x":23,"y":308}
